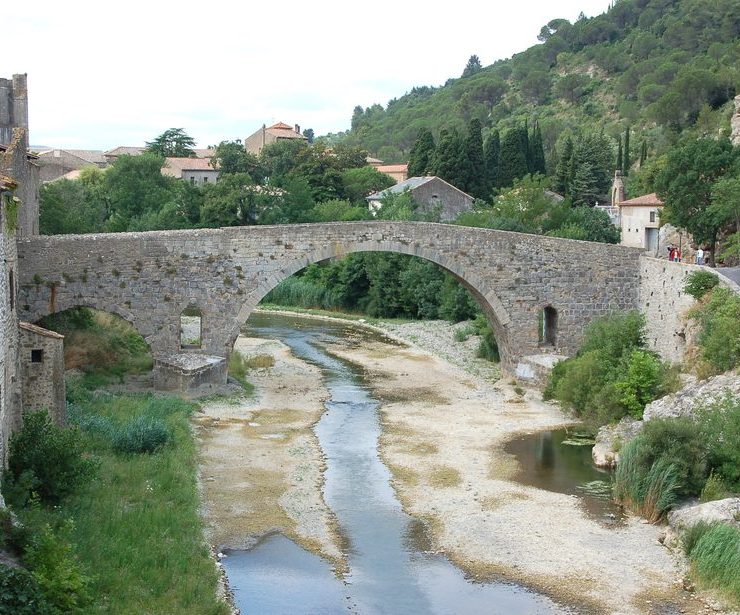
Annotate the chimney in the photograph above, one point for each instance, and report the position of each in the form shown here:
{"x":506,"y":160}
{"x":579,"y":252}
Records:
{"x":298,"y":129}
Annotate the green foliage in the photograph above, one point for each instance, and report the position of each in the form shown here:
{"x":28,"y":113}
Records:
{"x":11,"y":205}
{"x":45,"y":460}
{"x":720,"y":427}
{"x":640,"y":383}
{"x":360,"y":182}
{"x":714,"y":489}
{"x":173,"y":142}
{"x":699,"y":283}
{"x":714,"y":553}
{"x":20,"y":593}
{"x":513,"y":156}
{"x":58,"y":570}
{"x":230,"y":157}
{"x":719,"y":336}
{"x":611,"y":376}
{"x":144,"y":434}
{"x":421,"y":156}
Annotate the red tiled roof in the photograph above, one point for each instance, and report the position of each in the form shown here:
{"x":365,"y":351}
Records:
{"x":189,"y":164}
{"x":281,"y":126}
{"x":393,"y":168}
{"x":646,"y":200}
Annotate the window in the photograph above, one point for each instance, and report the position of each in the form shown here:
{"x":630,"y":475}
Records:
{"x":652,"y":216}
{"x":205,"y":179}
{"x":192,"y":179}
{"x":37,"y":355}
{"x":191,"y":328}
{"x":548,"y":326}
{"x":11,"y":289}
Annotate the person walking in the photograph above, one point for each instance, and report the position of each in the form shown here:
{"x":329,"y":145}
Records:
{"x":700,"y":256}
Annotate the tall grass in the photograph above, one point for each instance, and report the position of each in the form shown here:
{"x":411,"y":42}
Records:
{"x":296,"y":291}
{"x":137,"y":528}
{"x":651,"y":491}
{"x":714,"y":553}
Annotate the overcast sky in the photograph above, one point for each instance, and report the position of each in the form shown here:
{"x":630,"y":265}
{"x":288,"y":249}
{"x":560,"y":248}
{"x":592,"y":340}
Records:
{"x":103,"y":74}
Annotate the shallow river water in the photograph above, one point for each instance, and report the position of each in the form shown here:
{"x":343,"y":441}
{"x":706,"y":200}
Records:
{"x":391,"y":569}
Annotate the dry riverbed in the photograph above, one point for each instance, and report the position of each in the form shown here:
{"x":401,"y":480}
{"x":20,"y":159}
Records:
{"x":444,"y":431}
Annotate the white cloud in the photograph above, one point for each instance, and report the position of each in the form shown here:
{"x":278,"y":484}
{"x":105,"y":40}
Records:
{"x":102,"y":75}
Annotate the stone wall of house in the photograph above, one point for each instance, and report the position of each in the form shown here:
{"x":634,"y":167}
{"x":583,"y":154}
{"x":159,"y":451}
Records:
{"x":42,"y":364}
{"x":150,"y":278}
{"x":436,"y":193}
{"x":10,"y":379}
{"x":13,"y":106}
{"x":664,"y":303}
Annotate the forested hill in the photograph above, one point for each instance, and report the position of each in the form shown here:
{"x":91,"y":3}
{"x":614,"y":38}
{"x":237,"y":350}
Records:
{"x":662,"y":67}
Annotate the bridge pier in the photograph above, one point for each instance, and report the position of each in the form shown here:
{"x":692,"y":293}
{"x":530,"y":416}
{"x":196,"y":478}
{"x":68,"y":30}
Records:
{"x":189,"y":372}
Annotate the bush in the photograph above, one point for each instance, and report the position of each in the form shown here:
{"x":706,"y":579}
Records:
{"x":641,"y":382}
{"x":719,"y":336}
{"x":699,"y":283}
{"x":46,"y":460}
{"x":144,"y":434}
{"x":720,"y":429}
{"x":20,"y":593}
{"x":714,"y":489}
{"x":59,"y":573}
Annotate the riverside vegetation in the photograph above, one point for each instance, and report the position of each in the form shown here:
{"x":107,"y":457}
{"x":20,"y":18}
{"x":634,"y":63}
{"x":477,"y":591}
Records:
{"x":671,"y":459}
{"x":106,"y":512}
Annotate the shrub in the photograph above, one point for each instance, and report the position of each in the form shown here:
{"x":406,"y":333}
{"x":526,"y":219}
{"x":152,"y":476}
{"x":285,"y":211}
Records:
{"x":59,"y":573}
{"x":46,"y":460}
{"x":699,"y":283}
{"x":714,"y":489}
{"x":720,"y":428}
{"x":640,"y":383}
{"x":692,"y":535}
{"x":715,"y":558}
{"x":20,"y":593}
{"x":144,"y":434}
{"x":615,"y":334}
{"x":719,"y":336}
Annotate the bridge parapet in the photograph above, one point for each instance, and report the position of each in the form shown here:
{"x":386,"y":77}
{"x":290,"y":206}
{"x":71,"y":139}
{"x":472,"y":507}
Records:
{"x":150,"y":278}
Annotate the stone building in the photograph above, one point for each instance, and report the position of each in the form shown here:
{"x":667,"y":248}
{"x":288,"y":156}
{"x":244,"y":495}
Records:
{"x":42,"y":365}
{"x":399,"y":172}
{"x":56,"y":163}
{"x":197,"y":171}
{"x":431,"y":194}
{"x":640,"y":221}
{"x":271,"y":134}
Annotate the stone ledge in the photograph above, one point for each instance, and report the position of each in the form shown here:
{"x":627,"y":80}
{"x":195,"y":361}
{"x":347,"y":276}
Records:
{"x":188,"y":372}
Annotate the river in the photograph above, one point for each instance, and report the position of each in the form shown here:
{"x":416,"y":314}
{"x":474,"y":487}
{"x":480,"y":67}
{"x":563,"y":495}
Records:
{"x":390,"y":566}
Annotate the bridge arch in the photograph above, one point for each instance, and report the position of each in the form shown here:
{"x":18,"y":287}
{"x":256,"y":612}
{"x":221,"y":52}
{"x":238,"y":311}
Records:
{"x":485,"y":297}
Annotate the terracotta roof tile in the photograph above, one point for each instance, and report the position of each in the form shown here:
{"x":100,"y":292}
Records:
{"x":646,"y":200}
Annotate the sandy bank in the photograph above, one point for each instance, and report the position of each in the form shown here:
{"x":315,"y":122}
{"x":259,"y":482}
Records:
{"x":260,"y":462}
{"x":443,"y":436}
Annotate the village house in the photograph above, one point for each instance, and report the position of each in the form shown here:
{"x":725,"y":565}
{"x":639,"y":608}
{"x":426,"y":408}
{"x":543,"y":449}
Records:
{"x":399,"y":172}
{"x":124,"y":150}
{"x":640,"y":221}
{"x":197,"y":171}
{"x":58,"y":163}
{"x":268,"y":135}
{"x":431,"y":194}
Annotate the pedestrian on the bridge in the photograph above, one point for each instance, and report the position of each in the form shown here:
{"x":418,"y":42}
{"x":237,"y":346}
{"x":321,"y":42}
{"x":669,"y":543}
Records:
{"x":671,"y":252}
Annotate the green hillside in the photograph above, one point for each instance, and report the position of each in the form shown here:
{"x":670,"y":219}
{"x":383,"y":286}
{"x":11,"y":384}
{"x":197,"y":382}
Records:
{"x":663,"y":67}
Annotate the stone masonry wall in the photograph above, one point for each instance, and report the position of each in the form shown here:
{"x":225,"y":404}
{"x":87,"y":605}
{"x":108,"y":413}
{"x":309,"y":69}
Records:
{"x":150,"y":278}
{"x":42,"y":362}
{"x":664,"y":303}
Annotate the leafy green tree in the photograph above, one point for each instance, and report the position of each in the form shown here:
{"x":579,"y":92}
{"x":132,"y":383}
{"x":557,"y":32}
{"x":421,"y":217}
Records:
{"x":173,"y":142}
{"x":563,"y":169}
{"x":472,"y":67}
{"x":626,"y":161}
{"x":421,"y":156}
{"x":491,"y":153}
{"x":590,"y":169}
{"x":450,"y":159}
{"x":725,"y":207}
{"x":572,"y":87}
{"x":281,"y":157}
{"x":685,"y":186}
{"x":476,"y":184}
{"x":234,"y":200}
{"x":231,"y":157}
{"x":619,"y":165}
{"x":309,"y":134}
{"x":360,"y":182}
{"x":342,"y":211}
{"x":69,"y":207}
{"x":587,"y":224}
{"x":513,"y":156}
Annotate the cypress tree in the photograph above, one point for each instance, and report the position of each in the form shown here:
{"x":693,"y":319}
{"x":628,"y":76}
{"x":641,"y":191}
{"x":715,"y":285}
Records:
{"x":537,"y":151}
{"x":477,"y":184}
{"x":491,"y":151}
{"x":513,"y":156}
{"x":627,"y":161}
{"x":562,"y":171}
{"x":643,"y":153}
{"x":447,"y":159}
{"x":525,"y":144}
{"x":421,"y":156}
{"x":620,"y":163}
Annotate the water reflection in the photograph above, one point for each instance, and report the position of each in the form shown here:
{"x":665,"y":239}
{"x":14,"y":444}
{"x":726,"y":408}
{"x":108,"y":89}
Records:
{"x":554,"y":460}
{"x":390,"y":567}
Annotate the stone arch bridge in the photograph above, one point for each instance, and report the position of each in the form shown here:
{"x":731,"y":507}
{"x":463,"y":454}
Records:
{"x":149,"y":278}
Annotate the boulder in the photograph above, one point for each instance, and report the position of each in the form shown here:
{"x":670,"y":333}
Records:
{"x":611,"y":438}
{"x":686,"y":517}
{"x":693,"y":396}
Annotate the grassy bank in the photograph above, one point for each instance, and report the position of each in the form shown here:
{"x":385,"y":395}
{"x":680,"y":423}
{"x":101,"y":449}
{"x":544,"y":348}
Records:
{"x":135,"y":527}
{"x":714,"y":553}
